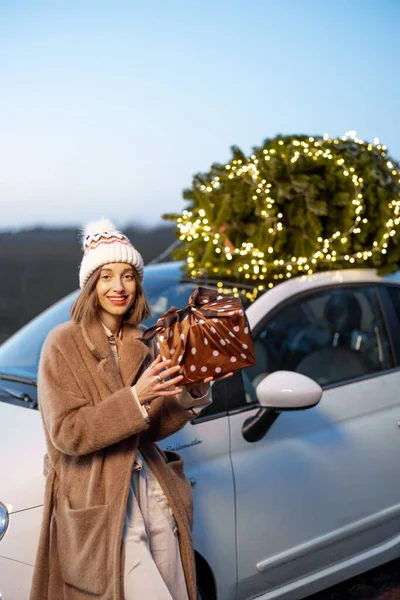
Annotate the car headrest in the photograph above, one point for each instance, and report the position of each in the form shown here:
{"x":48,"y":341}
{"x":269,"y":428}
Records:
{"x":343,"y":312}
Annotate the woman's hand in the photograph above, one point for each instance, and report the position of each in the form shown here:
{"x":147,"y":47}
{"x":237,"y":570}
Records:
{"x":200,"y":388}
{"x":151,"y":384}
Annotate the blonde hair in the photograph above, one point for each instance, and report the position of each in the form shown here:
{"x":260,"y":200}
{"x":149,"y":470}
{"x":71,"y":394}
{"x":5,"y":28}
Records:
{"x":84,"y":309}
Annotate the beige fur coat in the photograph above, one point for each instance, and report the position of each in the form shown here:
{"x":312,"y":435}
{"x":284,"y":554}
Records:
{"x":93,"y":427}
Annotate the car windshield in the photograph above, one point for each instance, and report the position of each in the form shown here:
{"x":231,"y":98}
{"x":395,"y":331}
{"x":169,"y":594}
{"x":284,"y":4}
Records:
{"x":19,"y":355}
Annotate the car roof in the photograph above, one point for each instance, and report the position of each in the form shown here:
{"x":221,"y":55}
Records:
{"x":305,"y":283}
{"x":285,"y":289}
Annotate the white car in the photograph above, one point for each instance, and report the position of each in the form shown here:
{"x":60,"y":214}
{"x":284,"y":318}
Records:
{"x":287,"y":501}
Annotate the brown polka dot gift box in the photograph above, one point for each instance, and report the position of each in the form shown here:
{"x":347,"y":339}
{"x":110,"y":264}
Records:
{"x":208,"y":338}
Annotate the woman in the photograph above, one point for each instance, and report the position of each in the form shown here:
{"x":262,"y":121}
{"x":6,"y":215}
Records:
{"x":117,"y":515}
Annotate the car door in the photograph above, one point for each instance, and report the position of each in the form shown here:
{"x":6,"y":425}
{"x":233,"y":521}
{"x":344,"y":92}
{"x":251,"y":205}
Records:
{"x":204,"y":444}
{"x":321,"y":487}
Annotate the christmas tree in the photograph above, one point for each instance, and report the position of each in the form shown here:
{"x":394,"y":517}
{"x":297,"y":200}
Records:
{"x":296,"y":205}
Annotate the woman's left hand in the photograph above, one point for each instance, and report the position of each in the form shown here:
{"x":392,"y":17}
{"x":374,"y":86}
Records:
{"x":200,"y":388}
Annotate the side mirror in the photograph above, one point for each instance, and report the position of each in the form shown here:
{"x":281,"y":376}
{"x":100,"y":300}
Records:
{"x":280,"y":391}
{"x":286,"y":390}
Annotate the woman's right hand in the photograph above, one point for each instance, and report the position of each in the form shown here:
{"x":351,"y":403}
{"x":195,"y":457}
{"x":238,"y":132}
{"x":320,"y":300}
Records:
{"x":148,"y":387}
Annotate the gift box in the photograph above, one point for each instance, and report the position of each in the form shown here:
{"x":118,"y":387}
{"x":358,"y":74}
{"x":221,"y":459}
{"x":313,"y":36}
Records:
{"x":208,"y":338}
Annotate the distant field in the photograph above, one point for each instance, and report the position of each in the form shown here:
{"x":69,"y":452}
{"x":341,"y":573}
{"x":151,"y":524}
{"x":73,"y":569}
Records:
{"x":40,"y":266}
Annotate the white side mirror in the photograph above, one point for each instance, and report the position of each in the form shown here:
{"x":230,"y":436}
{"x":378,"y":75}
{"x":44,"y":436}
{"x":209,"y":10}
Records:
{"x":286,"y":390}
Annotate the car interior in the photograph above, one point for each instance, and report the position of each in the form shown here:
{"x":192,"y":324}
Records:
{"x":331,"y":336}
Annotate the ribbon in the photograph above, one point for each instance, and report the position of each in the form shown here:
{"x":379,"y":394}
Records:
{"x":203,"y":301}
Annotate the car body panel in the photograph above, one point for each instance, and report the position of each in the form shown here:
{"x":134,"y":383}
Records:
{"x":21,"y":543}
{"x":15,"y":580}
{"x":204,"y":447}
{"x":22,"y":442}
{"x":319,"y":520}
{"x":317,"y":470}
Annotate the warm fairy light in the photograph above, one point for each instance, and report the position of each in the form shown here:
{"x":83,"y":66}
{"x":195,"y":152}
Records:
{"x":251,"y":261}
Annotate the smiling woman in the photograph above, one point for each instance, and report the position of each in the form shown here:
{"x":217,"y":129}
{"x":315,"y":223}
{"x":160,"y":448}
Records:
{"x":105,"y":398}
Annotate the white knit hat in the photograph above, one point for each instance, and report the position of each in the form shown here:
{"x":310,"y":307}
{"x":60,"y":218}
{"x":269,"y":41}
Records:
{"x":104,"y":244}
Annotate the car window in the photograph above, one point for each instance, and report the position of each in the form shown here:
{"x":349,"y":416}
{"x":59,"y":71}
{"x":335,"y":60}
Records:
{"x":19,"y":355}
{"x":160,"y":300}
{"x":330,"y":336}
{"x":394,"y":295}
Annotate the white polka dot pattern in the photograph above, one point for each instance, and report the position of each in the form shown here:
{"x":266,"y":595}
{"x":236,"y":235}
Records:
{"x":207,"y":338}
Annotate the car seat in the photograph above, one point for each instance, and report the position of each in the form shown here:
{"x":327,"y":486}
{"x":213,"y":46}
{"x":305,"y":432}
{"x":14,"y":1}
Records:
{"x":340,"y":359}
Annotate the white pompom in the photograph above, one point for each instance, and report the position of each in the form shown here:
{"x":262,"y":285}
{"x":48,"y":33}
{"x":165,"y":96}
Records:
{"x":95,"y":227}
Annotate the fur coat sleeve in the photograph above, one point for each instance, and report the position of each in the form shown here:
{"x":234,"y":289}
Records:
{"x":167,"y":416}
{"x":75,"y":425}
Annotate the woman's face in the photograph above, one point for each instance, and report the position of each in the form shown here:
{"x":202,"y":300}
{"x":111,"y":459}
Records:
{"x":116,"y":288}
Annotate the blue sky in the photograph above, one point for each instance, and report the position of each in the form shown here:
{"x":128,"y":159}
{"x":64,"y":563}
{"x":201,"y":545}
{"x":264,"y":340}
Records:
{"x":109,"y":108}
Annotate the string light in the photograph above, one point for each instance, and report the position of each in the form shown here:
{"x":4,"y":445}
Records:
{"x":250,"y":260}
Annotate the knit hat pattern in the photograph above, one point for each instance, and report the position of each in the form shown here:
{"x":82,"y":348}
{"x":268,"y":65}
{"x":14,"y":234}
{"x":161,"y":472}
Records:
{"x":104,"y":244}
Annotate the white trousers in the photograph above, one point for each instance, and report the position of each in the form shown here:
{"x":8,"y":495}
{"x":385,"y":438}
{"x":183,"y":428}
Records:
{"x":153,"y":567}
